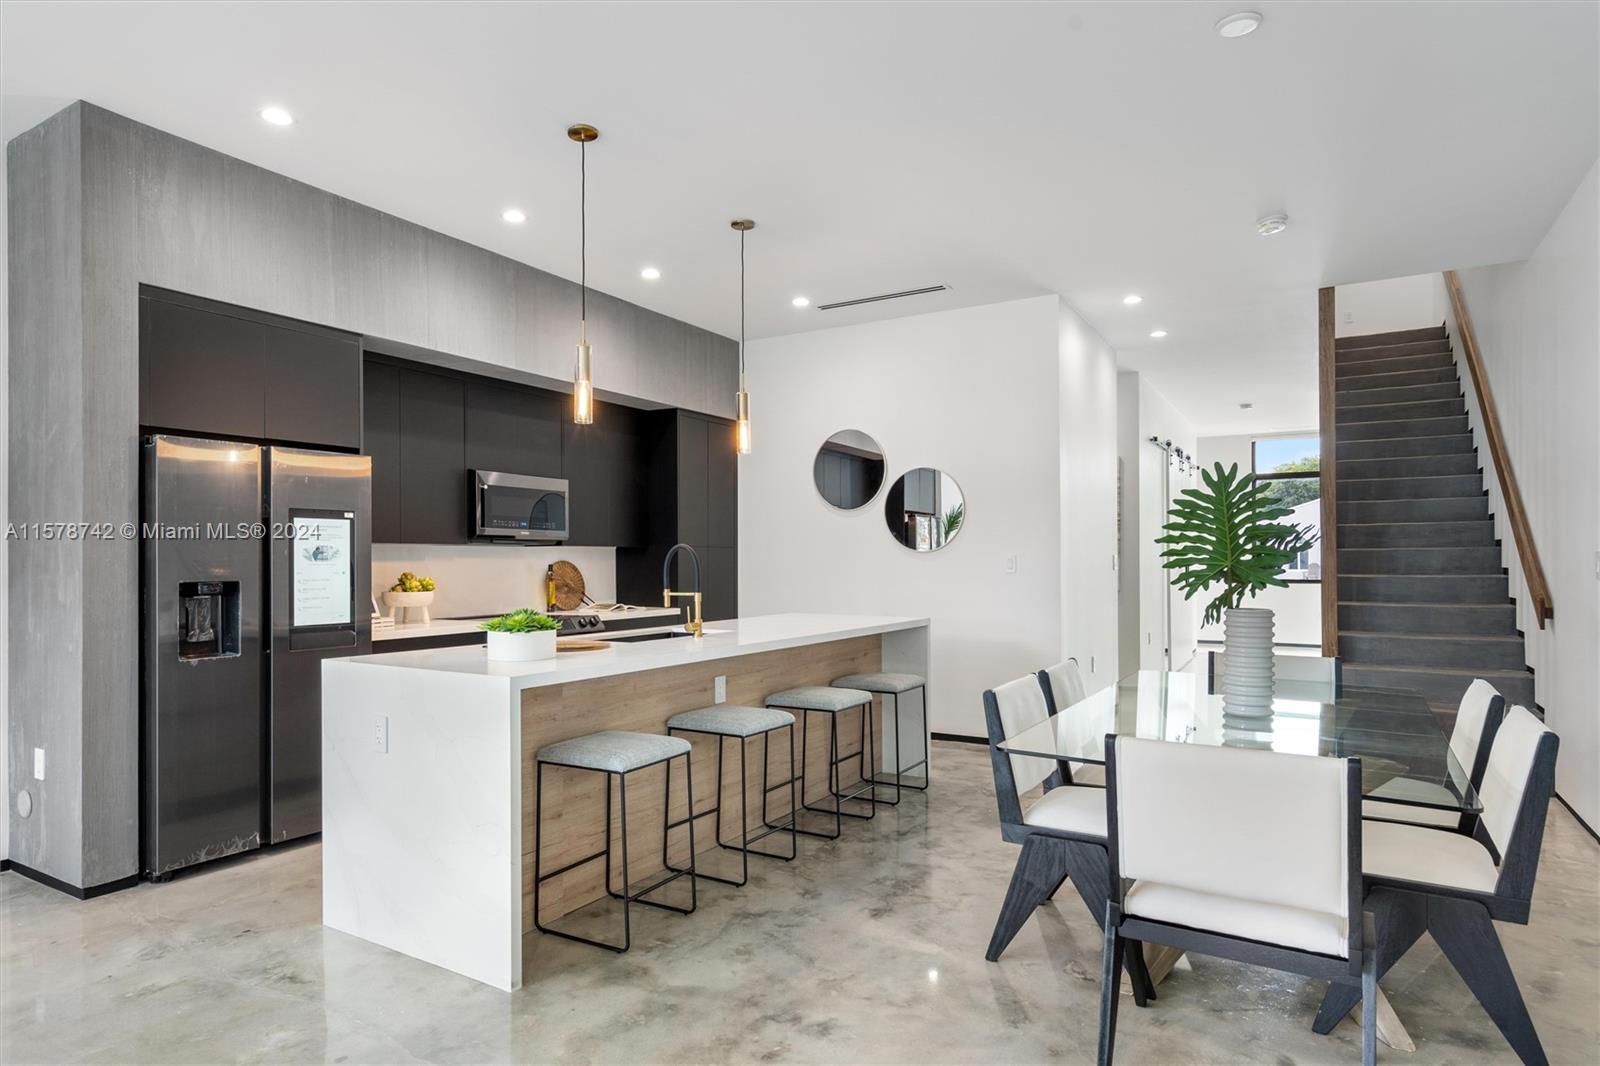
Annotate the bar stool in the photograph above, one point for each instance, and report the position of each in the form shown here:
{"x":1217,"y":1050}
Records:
{"x":895,"y":685}
{"x":825,"y":699}
{"x":615,"y":754}
{"x":727,"y":721}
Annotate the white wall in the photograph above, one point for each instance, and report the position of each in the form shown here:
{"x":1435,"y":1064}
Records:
{"x":1392,"y":304}
{"x":1145,"y":593}
{"x":1538,"y":326}
{"x":1297,"y":610}
{"x":973,"y":392}
{"x":1088,"y":416}
{"x":5,"y":501}
{"x":480,"y":579}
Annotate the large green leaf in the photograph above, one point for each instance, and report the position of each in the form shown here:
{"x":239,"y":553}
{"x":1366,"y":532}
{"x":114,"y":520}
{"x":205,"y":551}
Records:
{"x":1228,"y":534}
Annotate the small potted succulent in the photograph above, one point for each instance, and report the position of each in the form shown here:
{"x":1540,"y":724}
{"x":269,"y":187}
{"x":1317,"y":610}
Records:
{"x":522,"y":636}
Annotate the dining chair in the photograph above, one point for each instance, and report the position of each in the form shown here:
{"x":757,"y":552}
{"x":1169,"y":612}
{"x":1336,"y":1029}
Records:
{"x":1477,"y":717}
{"x":1062,"y":833}
{"x":1455,"y":887}
{"x":1247,"y":855}
{"x":1063,"y":687}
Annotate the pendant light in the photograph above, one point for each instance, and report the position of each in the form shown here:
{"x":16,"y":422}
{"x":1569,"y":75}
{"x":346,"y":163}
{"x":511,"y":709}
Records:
{"x":582,"y":377}
{"x":741,"y":432}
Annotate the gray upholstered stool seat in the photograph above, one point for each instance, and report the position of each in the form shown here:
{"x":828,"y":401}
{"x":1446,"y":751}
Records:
{"x":819,"y":698}
{"x":895,"y":683}
{"x":613,"y":751}
{"x":731,"y":720}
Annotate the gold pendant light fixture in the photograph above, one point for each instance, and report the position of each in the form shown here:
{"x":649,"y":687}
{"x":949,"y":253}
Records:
{"x":741,"y":431}
{"x":582,"y":375}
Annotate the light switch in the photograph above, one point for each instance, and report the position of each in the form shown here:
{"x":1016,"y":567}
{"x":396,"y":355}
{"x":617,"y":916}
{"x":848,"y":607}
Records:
{"x":38,"y":764}
{"x":1011,"y":564}
{"x":380,"y":734}
{"x":719,"y":689}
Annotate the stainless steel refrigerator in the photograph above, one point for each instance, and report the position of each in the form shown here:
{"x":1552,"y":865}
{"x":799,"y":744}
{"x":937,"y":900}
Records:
{"x":256,"y":566}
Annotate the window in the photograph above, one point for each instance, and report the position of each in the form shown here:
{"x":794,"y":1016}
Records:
{"x":1291,"y":468}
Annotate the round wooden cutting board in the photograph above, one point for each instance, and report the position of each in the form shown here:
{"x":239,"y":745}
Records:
{"x":569,"y":585}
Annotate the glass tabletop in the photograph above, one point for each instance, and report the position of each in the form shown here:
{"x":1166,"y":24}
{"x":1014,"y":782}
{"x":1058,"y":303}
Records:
{"x":1405,"y":756}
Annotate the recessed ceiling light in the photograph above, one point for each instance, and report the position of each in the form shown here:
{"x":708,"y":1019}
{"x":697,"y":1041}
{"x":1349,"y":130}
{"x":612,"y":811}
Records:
{"x":801,"y":301}
{"x":1132,"y":299}
{"x":1267,"y":225}
{"x":276,"y":116}
{"x":1158,"y":333}
{"x":1239,"y":24}
{"x":514,"y":216}
{"x":650,"y":273}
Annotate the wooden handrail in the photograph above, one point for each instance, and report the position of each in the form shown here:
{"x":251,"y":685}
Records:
{"x":1516,"y":514}
{"x":1327,"y":429}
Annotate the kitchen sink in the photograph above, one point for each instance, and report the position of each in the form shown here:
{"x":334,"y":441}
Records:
{"x":635,"y":638}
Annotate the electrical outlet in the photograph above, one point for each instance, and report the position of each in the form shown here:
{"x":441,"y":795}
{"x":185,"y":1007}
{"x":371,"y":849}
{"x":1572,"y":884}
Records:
{"x":38,"y":764}
{"x":1011,"y":564}
{"x":380,"y":733}
{"x":719,"y":689}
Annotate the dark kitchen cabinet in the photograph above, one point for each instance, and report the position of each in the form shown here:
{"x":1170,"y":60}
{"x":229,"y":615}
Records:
{"x":722,"y":486}
{"x":313,"y":387}
{"x":606,"y":481}
{"x":513,"y":429}
{"x":200,"y":372}
{"x":380,"y":439}
{"x":433,"y":467}
{"x":216,"y":370}
{"x":720,"y":567}
{"x":693,"y":480}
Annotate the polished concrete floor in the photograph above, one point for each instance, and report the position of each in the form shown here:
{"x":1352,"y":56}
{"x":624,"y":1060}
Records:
{"x":869,"y":949}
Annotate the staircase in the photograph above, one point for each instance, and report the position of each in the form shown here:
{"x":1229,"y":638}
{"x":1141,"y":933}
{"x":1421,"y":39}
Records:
{"x":1424,"y":602}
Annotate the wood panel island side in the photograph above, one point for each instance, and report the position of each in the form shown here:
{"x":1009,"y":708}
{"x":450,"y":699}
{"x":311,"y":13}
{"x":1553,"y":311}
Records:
{"x":428,"y":771}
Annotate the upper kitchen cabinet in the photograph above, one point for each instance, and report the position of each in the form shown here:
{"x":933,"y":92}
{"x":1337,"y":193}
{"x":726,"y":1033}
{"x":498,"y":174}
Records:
{"x":722,"y":485}
{"x":514,"y":430}
{"x":380,"y":439}
{"x":693,"y":480}
{"x":604,"y":466}
{"x":313,"y":387}
{"x":433,"y":467}
{"x":200,"y":372}
{"x":210,"y":369}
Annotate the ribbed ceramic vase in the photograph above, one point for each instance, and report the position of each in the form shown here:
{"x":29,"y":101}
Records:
{"x":1247,"y":681}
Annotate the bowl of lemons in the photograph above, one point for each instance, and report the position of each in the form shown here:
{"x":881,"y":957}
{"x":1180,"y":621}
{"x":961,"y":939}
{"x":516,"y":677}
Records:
{"x":408,"y":596}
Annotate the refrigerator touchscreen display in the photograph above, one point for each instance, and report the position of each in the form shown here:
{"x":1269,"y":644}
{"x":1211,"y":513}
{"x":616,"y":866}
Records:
{"x":324,"y":576}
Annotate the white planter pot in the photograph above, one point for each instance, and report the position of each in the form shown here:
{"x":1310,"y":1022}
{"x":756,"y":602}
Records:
{"x":1247,"y":681}
{"x":522,"y":647}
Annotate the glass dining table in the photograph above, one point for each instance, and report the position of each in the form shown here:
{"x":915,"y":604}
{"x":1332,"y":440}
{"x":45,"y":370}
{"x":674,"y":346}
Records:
{"x":1405,"y":755}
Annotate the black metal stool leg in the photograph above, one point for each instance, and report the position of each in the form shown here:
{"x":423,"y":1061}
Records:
{"x":800,"y":797}
{"x":865,"y":763}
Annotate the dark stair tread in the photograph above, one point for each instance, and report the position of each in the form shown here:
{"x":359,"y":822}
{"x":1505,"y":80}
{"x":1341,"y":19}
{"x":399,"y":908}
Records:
{"x":1418,"y":333}
{"x":1506,"y":638}
{"x":1496,"y":606}
{"x":1449,"y":671}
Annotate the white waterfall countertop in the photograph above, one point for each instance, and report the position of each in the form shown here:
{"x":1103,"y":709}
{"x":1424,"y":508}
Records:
{"x":722,"y":640}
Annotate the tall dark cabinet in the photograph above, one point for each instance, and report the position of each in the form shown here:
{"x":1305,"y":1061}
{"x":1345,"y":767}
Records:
{"x":692,"y":498}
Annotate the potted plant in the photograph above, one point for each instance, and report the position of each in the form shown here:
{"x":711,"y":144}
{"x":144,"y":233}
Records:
{"x":410,"y":593}
{"x":1229,"y":534}
{"x":524,"y":635}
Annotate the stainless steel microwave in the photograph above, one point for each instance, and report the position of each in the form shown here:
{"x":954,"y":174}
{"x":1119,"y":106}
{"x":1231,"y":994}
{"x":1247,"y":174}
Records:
{"x":519,"y":507}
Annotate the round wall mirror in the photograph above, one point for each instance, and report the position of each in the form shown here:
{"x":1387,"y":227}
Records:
{"x":925,"y":509}
{"x":848,"y":469}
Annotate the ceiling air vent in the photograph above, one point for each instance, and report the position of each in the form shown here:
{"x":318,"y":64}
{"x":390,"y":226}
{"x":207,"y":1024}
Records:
{"x":879,"y":299}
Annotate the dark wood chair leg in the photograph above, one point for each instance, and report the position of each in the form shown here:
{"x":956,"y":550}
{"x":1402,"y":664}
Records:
{"x":1110,"y":987}
{"x":1369,"y":994}
{"x":1053,"y":891}
{"x":1144,"y":989}
{"x":1090,"y":871}
{"x":1399,"y":919}
{"x":1039,"y":870}
{"x":1465,"y":933}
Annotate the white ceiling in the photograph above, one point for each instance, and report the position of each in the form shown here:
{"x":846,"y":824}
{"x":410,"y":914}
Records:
{"x":1005,"y":150}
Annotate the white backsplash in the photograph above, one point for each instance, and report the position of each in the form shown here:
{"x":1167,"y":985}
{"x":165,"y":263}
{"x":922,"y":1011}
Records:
{"x":479,"y":579}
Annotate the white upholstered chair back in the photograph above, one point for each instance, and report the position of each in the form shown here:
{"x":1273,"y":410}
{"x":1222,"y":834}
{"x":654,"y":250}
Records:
{"x":1021,"y":705}
{"x":1066,"y":684}
{"x":1471,"y":716}
{"x":1506,"y":777}
{"x":1253,"y":825}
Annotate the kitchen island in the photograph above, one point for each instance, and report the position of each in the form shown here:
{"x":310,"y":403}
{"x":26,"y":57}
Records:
{"x":427,"y":764}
